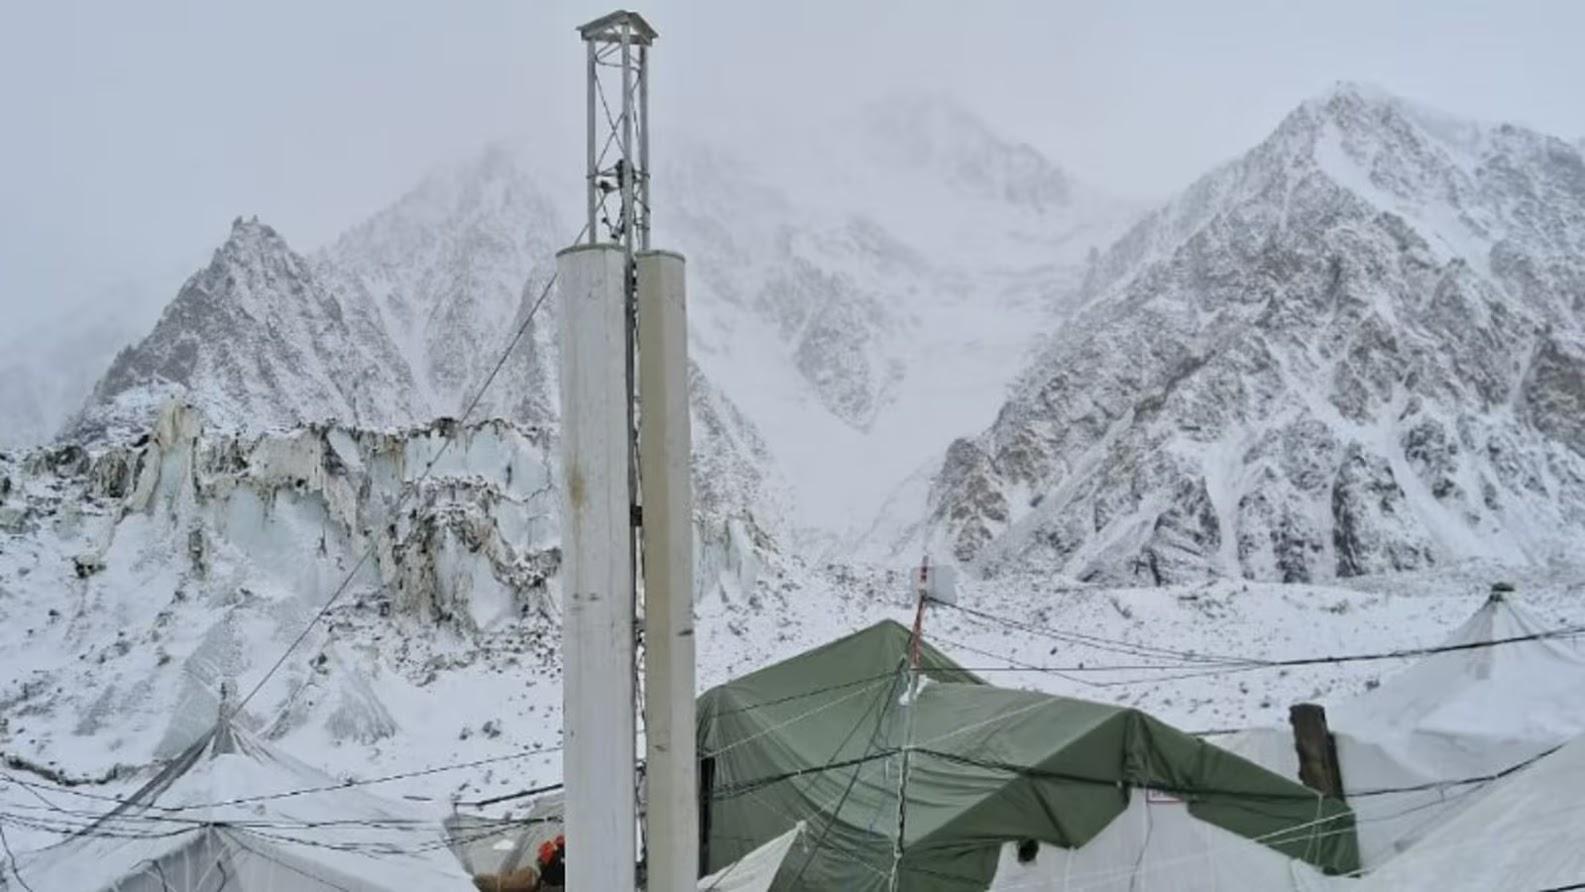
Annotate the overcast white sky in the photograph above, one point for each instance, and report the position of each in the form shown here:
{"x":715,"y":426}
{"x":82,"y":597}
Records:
{"x":132,"y":132}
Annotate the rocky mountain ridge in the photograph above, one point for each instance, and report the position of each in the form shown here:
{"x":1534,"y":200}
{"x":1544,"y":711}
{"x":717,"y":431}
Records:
{"x":1359,"y":348}
{"x":263,"y":343}
{"x":851,"y":350}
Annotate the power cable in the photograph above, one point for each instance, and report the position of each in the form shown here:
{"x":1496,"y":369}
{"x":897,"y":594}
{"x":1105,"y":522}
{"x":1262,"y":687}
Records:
{"x":802,"y":694}
{"x":886,"y":697}
{"x":291,"y":867}
{"x":15,"y":871}
{"x":33,"y":787}
{"x":1017,"y":665}
{"x":869,"y":683}
{"x":1190,"y":791}
{"x":1095,"y":641}
{"x":287,"y":794}
{"x":368,"y":552}
{"x":522,"y":794}
{"x":771,"y":729}
{"x":451,"y":438}
{"x":1224,"y":665}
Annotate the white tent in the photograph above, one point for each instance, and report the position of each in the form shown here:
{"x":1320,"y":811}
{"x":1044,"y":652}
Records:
{"x":1454,"y":715}
{"x":493,"y":847}
{"x":1526,"y":832}
{"x":213,"y":819}
{"x":500,"y":846}
{"x":1156,"y":844}
{"x":756,"y":871}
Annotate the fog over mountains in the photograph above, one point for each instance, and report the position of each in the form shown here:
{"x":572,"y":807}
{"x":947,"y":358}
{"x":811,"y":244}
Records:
{"x":1354,"y":349}
{"x":1355,"y":352}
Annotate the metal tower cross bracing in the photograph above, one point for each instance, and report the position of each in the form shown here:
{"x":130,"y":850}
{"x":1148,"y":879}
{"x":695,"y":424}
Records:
{"x":618,"y":129}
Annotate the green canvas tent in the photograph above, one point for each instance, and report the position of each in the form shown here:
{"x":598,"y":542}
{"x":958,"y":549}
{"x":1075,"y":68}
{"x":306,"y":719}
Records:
{"x":831,"y":737}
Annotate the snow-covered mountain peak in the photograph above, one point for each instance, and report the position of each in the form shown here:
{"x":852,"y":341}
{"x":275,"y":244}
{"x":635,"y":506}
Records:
{"x":1347,"y":351}
{"x":257,"y":339}
{"x":936,"y":136}
{"x":1410,"y":158}
{"x":942,"y":180}
{"x":447,"y":270}
{"x":1358,"y":106}
{"x":250,"y":268}
{"x":488,"y":190}
{"x":251,"y":242}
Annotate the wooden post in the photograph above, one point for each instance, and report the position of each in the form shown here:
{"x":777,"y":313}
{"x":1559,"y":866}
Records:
{"x":1318,"y":766}
{"x":597,"y":586}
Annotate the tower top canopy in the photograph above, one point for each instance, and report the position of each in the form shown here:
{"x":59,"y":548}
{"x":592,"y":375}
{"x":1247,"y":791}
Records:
{"x":609,"y":27}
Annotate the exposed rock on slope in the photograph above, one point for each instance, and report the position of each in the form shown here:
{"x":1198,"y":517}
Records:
{"x":262,"y":342}
{"x":136,"y":578}
{"x":845,"y":318}
{"x":452,"y":268}
{"x":1356,"y":349}
{"x":401,"y":321}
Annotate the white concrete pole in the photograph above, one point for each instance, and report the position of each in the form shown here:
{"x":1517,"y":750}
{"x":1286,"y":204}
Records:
{"x":599,"y":752}
{"x":665,"y":454}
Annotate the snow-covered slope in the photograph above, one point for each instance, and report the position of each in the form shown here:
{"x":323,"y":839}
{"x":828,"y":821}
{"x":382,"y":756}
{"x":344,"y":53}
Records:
{"x":1359,"y":348}
{"x":866,"y":292}
{"x":135,"y":579}
{"x":450,"y":268}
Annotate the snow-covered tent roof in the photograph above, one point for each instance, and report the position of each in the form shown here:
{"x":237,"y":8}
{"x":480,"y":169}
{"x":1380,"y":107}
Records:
{"x":1468,"y":711}
{"x":1453,"y":715}
{"x":213,"y":818}
{"x":1526,"y":832}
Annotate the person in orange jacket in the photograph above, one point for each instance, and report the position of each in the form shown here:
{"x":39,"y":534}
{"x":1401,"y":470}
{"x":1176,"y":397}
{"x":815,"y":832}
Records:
{"x":553,"y":862}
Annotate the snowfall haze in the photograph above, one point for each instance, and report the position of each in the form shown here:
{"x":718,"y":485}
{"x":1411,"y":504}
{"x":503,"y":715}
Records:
{"x":1203,"y":329}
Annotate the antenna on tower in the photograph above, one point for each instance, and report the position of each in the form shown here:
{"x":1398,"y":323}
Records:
{"x":618,"y":129}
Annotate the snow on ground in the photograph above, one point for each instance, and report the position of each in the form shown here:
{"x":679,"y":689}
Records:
{"x":134,"y":581}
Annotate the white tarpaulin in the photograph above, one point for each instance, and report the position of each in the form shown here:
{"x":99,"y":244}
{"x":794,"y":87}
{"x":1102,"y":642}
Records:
{"x":1526,"y":832}
{"x":211,"y":859}
{"x":213,"y":819}
{"x":489,"y":846}
{"x":755,"y":871}
{"x":497,"y":846}
{"x":1156,"y":844}
{"x":1451,"y":716}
